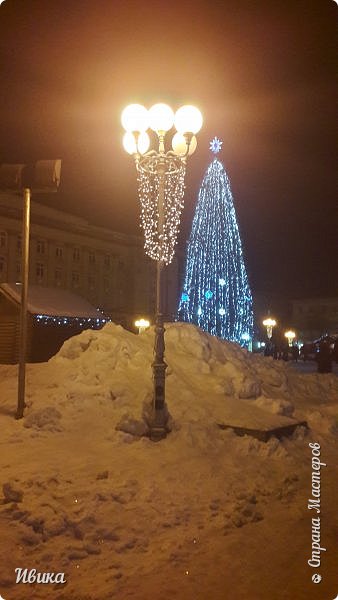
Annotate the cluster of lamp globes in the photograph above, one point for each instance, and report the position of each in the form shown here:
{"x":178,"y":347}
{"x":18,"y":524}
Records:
{"x":136,"y":120}
{"x":271,"y":323}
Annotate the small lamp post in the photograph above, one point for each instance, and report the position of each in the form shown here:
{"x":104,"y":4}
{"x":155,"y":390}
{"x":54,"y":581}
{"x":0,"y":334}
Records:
{"x":269,"y":324}
{"x":42,"y":177}
{"x":142,"y":325}
{"x":290,"y":335}
{"x":161,"y":176}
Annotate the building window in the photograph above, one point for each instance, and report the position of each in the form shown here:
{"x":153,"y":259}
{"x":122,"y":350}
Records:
{"x":76,"y":254}
{"x":3,"y":240}
{"x":19,"y":244}
{"x":2,"y":265}
{"x":40,"y":247}
{"x":91,"y":258}
{"x":75,"y":279}
{"x":58,"y":277}
{"x":59,"y":252}
{"x":91,"y":282}
{"x":107,"y":260}
{"x":40,"y":271}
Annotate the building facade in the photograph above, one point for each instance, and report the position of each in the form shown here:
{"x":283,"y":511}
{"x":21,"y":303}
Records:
{"x":108,"y":268}
{"x":315,"y":317}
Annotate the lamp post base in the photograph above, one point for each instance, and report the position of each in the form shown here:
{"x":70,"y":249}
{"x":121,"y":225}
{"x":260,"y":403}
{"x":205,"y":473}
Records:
{"x":159,"y":424}
{"x":157,"y":433}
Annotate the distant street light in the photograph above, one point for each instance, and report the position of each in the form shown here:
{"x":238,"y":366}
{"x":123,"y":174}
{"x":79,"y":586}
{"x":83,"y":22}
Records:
{"x":161,"y":187}
{"x":42,"y":177}
{"x":290,"y":335}
{"x":269,"y":324}
{"x":142,"y":325}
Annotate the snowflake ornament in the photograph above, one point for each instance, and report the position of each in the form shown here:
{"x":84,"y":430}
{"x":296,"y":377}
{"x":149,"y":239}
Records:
{"x":215,"y":145}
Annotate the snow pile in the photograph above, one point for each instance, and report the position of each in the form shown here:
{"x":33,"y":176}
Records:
{"x":85,"y":492}
{"x":116,"y":365}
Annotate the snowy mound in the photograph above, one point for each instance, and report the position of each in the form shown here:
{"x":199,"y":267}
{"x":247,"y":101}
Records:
{"x":208,"y":379}
{"x":116,"y":364}
{"x":85,"y":491}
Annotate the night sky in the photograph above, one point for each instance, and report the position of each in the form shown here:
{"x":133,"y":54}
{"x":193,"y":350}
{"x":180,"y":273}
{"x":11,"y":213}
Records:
{"x":262,"y":73}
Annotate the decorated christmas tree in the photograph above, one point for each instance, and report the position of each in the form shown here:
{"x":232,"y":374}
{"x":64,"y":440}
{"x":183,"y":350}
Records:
{"x":216,"y":294}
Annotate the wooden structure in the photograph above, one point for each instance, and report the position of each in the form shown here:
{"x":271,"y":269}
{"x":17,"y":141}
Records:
{"x":54,"y":315}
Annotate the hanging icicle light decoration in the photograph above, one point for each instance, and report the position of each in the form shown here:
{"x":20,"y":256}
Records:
{"x":160,"y":245}
{"x":161,"y":173}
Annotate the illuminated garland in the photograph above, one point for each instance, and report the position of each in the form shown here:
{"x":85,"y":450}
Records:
{"x":68,"y":321}
{"x":160,"y":245}
{"x":216,"y":294}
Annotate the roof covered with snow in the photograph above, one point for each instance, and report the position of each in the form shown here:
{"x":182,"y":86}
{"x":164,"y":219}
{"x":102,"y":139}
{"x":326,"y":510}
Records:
{"x":51,"y":301}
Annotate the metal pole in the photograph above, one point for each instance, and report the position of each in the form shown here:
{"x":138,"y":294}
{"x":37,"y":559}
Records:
{"x":23,"y":310}
{"x":159,"y":417}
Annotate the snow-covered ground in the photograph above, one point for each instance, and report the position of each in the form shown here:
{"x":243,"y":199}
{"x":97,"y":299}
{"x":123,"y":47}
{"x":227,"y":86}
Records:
{"x":203,"y":514}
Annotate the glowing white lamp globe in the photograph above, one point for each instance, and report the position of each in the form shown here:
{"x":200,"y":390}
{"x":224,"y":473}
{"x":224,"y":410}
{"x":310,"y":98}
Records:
{"x":188,"y":119}
{"x":179,"y":144}
{"x":129,"y":143}
{"x":161,"y":117}
{"x":135,"y":118}
{"x":143,"y":142}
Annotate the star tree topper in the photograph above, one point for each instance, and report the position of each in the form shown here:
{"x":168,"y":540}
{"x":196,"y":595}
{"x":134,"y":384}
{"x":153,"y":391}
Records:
{"x":215,"y":145}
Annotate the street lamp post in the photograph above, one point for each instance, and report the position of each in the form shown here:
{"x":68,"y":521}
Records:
{"x":142,"y":325}
{"x":269,"y":324}
{"x":43,"y":177}
{"x":161,"y":176}
{"x":290,"y":335}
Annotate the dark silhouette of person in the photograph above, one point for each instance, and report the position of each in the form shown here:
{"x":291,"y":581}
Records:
{"x":335,"y":351}
{"x":295,"y":352}
{"x":268,"y":350}
{"x":324,"y":357}
{"x":285,"y":352}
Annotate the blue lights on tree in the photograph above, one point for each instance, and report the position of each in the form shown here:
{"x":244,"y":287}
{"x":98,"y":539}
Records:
{"x":216,"y":294}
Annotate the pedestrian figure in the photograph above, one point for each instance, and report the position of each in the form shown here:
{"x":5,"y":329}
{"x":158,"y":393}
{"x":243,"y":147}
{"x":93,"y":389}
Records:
{"x":285,"y":352}
{"x":268,"y":350}
{"x":324,"y":358}
{"x":295,"y":352}
{"x":335,"y":351}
